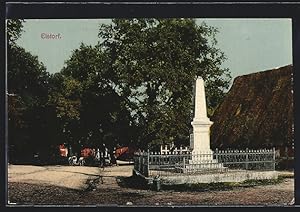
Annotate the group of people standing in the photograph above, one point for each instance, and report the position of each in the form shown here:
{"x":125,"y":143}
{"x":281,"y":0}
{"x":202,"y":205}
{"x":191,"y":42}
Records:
{"x":88,"y":156}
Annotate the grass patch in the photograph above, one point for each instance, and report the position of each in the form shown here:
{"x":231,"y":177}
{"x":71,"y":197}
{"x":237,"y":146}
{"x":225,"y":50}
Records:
{"x":199,"y":187}
{"x":283,"y":176}
{"x":138,"y":182}
{"x":133,"y":182}
{"x":251,"y":183}
{"x":221,"y":186}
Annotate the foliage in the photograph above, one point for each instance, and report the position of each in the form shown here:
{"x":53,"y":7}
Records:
{"x":134,"y":88}
{"x":157,"y":61}
{"x":14,"y":30}
{"x":103,"y":116}
{"x":64,"y":101}
{"x":27,"y":98}
{"x":32,"y":123}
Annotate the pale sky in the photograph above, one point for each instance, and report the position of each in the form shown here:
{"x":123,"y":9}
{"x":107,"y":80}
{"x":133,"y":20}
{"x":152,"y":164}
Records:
{"x":251,"y":45}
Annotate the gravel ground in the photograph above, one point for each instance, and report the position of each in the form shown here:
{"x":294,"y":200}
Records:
{"x":80,"y":185}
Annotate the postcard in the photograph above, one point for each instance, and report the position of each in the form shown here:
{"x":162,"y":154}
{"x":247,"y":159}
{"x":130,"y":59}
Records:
{"x":150,"y":112}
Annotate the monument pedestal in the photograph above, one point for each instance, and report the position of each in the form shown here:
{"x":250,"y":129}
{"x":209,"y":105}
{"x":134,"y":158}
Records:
{"x":202,"y":155}
{"x":203,"y":161}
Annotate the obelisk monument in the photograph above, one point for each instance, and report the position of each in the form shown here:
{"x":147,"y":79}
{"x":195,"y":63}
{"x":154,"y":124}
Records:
{"x":200,"y":142}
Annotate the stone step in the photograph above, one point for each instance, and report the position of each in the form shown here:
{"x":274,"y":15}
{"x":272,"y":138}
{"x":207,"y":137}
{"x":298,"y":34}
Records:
{"x":189,"y":169}
{"x":198,"y":166}
{"x":203,"y":161}
{"x":204,"y":166}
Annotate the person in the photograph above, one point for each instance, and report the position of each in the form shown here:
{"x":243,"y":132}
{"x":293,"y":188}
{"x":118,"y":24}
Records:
{"x":106,"y":156}
{"x":72,"y":160}
{"x":81,"y":161}
{"x":102,"y":156}
{"x":113,"y":157}
{"x":97,"y":155}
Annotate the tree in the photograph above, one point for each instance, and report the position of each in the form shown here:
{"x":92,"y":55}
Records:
{"x":14,"y":30}
{"x":103,"y":117}
{"x":157,"y":61}
{"x":27,"y":85}
{"x":65,"y":103}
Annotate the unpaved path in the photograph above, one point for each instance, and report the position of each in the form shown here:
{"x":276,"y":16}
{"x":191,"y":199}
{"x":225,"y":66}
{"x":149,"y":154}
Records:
{"x":73,"y":177}
{"x":77,"y":185}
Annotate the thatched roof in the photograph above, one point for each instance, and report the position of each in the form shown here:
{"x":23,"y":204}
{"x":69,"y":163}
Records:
{"x":257,"y":112}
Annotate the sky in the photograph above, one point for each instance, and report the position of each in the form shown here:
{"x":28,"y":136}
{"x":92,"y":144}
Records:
{"x":250,"y":45}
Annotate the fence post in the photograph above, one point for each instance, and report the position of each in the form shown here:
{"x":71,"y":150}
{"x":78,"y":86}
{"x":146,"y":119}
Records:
{"x":274,"y":158}
{"x":140,"y":163}
{"x":287,"y":157}
{"x":147,"y":162}
{"x":247,"y":159}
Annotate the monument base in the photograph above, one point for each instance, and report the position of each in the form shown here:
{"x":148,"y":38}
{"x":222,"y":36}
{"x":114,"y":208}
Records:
{"x":207,"y":167}
{"x":206,"y":155}
{"x":203,"y":162}
{"x":229,"y":176}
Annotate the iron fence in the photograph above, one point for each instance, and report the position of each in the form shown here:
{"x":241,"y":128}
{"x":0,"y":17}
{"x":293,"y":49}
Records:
{"x":262,"y":159}
{"x":152,"y":164}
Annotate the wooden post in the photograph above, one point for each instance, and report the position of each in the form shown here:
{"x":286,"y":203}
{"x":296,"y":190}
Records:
{"x":140,"y":163}
{"x":147,"y":162}
{"x":274,"y":158}
{"x":144,"y":164}
{"x":247,"y":152}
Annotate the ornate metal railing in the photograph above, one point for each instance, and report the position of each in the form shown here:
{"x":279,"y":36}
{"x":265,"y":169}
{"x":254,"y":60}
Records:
{"x":152,"y":163}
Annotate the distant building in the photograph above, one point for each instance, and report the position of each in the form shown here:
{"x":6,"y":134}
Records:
{"x":257,"y":112}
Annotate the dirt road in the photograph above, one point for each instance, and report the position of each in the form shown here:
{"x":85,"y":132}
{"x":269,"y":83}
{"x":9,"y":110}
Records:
{"x":79,"y":185}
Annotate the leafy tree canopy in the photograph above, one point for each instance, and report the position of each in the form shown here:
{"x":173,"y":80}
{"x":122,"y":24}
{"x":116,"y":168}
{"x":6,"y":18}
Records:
{"x":28,"y":90}
{"x":135,"y":87}
{"x":14,"y":30}
{"x":157,"y":61}
{"x":103,"y":116}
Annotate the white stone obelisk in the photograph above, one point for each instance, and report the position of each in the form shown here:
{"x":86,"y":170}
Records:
{"x":200,"y":142}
